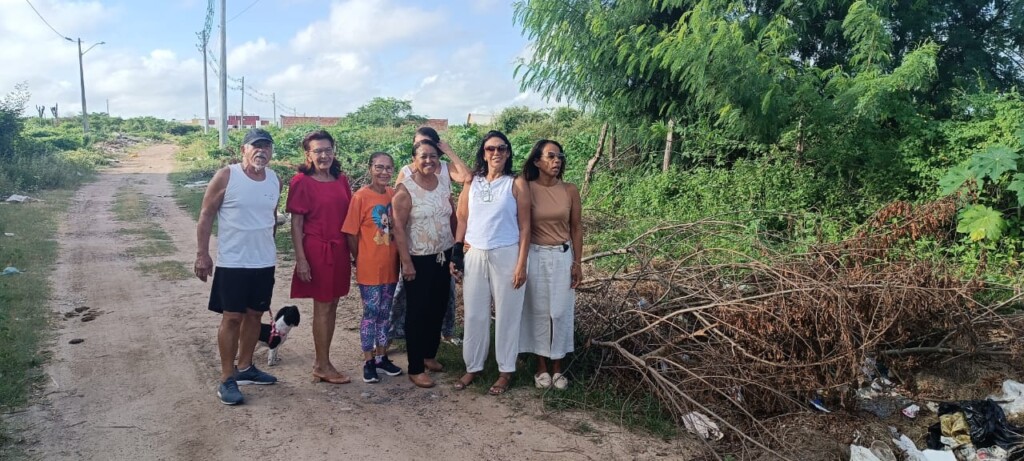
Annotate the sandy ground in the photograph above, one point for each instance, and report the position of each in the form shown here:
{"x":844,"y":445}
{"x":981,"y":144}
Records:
{"x":142,"y":384}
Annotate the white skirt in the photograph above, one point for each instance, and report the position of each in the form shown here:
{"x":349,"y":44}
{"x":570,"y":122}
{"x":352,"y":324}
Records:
{"x":548,"y":310}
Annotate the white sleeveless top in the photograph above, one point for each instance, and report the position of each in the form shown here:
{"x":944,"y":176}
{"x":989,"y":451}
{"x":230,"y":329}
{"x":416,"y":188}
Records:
{"x":245,"y":222}
{"x":429,"y":229}
{"x":493,"y":215}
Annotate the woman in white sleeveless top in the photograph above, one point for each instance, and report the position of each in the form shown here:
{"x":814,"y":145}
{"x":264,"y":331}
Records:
{"x":422,"y":208}
{"x":494,"y":221}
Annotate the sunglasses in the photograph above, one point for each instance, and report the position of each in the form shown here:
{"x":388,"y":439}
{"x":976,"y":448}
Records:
{"x":500,"y":148}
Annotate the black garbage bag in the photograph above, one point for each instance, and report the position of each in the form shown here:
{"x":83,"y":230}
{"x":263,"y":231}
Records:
{"x":988,"y":426}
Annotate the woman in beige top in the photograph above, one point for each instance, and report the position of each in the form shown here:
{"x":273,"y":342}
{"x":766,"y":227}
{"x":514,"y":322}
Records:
{"x":556,"y":245}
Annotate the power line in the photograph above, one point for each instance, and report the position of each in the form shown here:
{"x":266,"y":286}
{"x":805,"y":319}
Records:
{"x":65,"y":37}
{"x":244,"y":10}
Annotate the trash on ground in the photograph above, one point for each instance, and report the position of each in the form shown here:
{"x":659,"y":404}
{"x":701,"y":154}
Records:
{"x":700,"y":424}
{"x":882,"y":451}
{"x":819,"y":405}
{"x":1012,"y":398}
{"x":15,"y":198}
{"x":11,"y":270}
{"x":911,"y":411}
{"x":196,"y":185}
{"x":974,"y":429}
{"x":908,"y":447}
{"x":8,"y":234}
{"x":859,"y":453}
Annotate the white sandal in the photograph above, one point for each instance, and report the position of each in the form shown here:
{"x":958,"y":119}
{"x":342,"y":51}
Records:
{"x":542,"y":381}
{"x":559,"y":381}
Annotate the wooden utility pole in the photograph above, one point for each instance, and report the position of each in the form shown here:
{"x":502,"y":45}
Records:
{"x":666,"y":160}
{"x":206,"y":91}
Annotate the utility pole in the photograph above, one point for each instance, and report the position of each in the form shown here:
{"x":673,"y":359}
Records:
{"x":81,"y":76}
{"x":223,"y":75}
{"x":204,"y":40}
{"x":273,"y":102}
{"x":241,"y":120}
{"x":206,"y":94}
{"x":108,"y":107}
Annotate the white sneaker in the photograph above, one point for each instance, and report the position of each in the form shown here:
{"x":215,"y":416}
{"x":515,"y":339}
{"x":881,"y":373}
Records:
{"x":542,"y":381}
{"x":559,"y":381}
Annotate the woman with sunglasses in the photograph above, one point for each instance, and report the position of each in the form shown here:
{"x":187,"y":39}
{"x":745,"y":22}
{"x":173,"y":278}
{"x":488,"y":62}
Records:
{"x":556,"y":244}
{"x":318,"y":200}
{"x":422,"y":210}
{"x":494,"y":220}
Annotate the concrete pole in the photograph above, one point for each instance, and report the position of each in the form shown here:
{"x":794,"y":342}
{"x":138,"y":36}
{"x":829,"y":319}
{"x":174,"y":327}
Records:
{"x":241,"y":119}
{"x":81,"y":76}
{"x":206,"y":92}
{"x":223,"y":75}
{"x":273,"y":102}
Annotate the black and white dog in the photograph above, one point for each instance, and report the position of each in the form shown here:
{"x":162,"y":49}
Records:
{"x":273,"y":336}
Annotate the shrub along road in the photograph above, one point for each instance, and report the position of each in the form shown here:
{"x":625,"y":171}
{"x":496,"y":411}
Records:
{"x":141,"y":382}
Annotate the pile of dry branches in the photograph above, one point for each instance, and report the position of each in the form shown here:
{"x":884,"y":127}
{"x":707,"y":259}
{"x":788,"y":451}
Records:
{"x":745,"y":335}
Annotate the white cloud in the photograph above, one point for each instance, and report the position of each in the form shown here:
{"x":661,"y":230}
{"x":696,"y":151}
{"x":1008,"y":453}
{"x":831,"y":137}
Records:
{"x":252,"y":55}
{"x":367,"y":25}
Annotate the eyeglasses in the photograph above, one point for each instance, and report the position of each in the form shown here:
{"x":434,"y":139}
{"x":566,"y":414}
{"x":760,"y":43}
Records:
{"x":325,"y":150}
{"x":500,"y":148}
{"x":486,"y":193}
{"x":382,"y":168}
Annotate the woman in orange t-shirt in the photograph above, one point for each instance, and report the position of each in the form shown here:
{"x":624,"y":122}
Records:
{"x":368,"y":230}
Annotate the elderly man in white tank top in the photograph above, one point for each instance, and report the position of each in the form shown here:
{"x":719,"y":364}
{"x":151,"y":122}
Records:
{"x":494,"y":220}
{"x":243,"y":197}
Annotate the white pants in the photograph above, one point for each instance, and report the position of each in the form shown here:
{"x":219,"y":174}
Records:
{"x":488,"y":275}
{"x":550,"y":302}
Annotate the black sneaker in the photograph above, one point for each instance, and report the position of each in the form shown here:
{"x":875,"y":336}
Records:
{"x":389,"y":368}
{"x":370,"y":372}
{"x":253,"y":375}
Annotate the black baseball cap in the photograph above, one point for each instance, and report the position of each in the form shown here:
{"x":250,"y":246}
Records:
{"x":257,"y":134}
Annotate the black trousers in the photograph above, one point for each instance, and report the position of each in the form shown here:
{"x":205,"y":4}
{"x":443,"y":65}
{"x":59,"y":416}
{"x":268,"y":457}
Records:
{"x":426,"y":302}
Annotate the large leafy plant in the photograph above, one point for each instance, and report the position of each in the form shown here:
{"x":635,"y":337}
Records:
{"x":990,"y":181}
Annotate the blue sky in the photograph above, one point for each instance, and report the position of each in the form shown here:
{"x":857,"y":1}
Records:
{"x":320,"y":57}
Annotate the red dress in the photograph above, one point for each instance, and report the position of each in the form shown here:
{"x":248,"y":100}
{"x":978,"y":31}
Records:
{"x":324,"y":206}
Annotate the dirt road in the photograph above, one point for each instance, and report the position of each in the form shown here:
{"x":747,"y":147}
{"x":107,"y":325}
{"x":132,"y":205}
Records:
{"x":141,"y":385}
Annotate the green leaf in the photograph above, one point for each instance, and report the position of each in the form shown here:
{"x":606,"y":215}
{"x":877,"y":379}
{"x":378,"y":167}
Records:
{"x":993,"y":162}
{"x":1017,"y":186}
{"x":955,"y":179}
{"x":981,"y":223}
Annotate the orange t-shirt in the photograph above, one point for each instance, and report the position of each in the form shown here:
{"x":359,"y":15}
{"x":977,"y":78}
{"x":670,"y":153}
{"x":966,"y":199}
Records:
{"x":370,"y":220}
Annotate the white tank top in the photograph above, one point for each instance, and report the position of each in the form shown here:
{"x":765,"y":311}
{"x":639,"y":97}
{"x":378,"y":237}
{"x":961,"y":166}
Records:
{"x":429,"y":229}
{"x":245,"y":222}
{"x":493,"y":214}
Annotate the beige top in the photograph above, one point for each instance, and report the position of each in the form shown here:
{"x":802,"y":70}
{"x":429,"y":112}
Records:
{"x":429,"y":229}
{"x":550,"y":213}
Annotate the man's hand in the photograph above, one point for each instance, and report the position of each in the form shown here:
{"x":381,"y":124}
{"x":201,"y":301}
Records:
{"x":203,"y":266}
{"x":577,"y":275}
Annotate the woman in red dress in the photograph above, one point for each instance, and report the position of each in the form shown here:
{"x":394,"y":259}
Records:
{"x":318,"y":200}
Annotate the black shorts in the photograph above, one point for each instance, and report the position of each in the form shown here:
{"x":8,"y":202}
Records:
{"x":238,"y":289}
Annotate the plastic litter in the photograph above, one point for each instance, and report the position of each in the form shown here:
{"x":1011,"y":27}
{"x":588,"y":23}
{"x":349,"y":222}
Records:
{"x":882,"y":451}
{"x":700,"y":424}
{"x":1012,"y":398}
{"x":8,"y":234}
{"x":859,"y":453}
{"x":991,"y":454}
{"x":986,"y":425}
{"x":11,"y":270}
{"x":911,"y":411}
{"x":913,"y":454}
{"x":196,"y":185}
{"x":15,"y":198}
{"x":817,"y":404}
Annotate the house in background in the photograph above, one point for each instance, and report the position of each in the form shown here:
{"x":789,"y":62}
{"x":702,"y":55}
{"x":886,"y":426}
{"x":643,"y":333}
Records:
{"x":235,"y":122}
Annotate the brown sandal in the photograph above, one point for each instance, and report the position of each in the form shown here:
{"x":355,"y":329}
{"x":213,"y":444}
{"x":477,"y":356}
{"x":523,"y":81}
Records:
{"x":501,"y":385}
{"x":463,"y":383}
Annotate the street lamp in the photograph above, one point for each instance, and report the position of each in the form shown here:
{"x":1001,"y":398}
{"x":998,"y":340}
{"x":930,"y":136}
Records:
{"x":81,"y":76}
